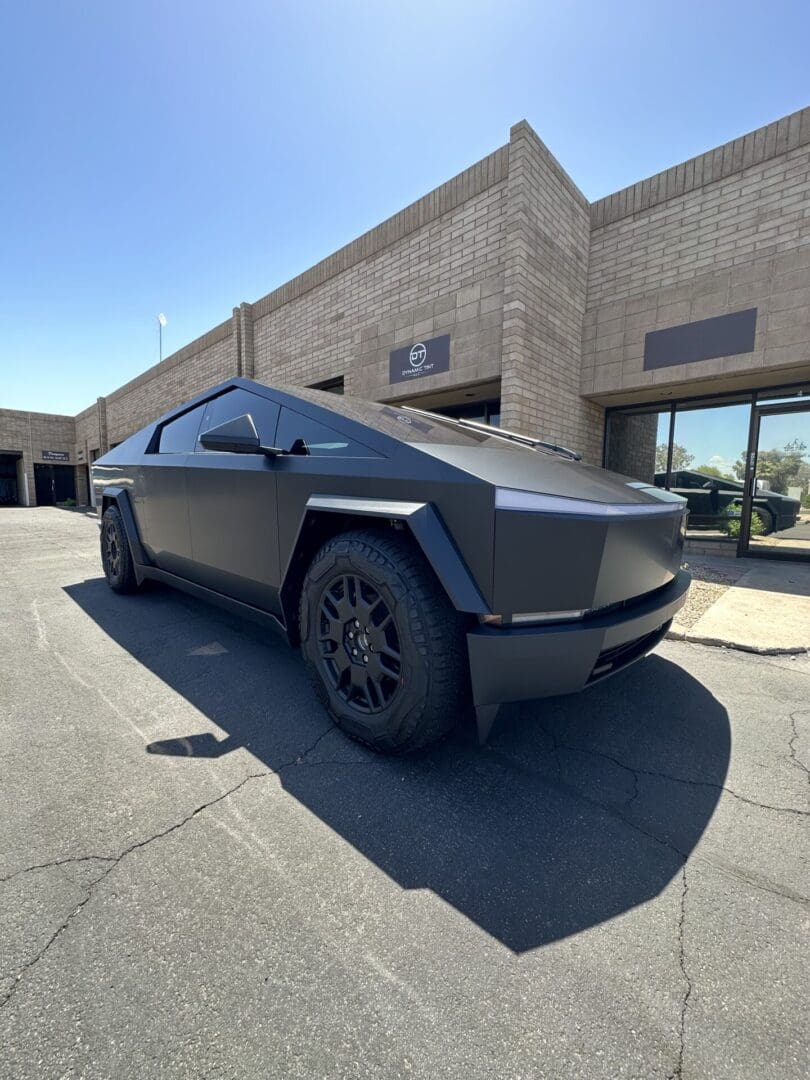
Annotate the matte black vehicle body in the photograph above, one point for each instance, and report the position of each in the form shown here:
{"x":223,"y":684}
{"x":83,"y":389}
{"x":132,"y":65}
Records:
{"x":564,"y":573}
{"x":712,"y":500}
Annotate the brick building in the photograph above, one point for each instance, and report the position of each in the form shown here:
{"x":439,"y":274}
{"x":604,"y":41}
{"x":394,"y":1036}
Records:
{"x":595,"y":325}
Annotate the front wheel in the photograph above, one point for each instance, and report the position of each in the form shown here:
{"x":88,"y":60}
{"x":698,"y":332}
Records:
{"x":116,"y":557}
{"x":766,"y":517}
{"x":386,"y":649}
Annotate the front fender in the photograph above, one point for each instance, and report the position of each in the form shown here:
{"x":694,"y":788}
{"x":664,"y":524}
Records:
{"x":421,"y":519}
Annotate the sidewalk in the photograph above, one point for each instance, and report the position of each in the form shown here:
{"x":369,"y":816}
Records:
{"x":749,"y":604}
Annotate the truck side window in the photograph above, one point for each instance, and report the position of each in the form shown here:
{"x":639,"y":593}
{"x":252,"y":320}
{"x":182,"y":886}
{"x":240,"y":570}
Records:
{"x":310,"y":437}
{"x":180,"y":435}
{"x":235,"y":403}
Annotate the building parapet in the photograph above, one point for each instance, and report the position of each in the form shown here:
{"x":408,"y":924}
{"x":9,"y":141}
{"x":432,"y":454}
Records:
{"x":732,"y":157}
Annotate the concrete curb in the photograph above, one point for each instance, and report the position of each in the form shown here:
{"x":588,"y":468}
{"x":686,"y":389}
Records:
{"x":680,"y":633}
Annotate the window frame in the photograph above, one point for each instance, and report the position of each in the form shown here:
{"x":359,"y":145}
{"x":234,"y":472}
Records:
{"x":157,"y":438}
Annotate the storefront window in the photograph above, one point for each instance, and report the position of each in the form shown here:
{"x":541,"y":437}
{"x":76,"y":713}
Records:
{"x":784,"y":395}
{"x":485,"y":412}
{"x":708,"y":467}
{"x":780,"y":505}
{"x":701,"y":449}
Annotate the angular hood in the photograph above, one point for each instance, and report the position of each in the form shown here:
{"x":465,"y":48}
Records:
{"x":524,"y":469}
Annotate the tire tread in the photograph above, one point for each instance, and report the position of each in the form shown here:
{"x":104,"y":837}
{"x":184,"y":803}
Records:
{"x":435,"y":627}
{"x":127,"y":582}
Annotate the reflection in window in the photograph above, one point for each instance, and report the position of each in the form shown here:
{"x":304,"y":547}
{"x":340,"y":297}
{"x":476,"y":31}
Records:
{"x":180,"y":435}
{"x":330,"y":386}
{"x":637,"y":444}
{"x":780,"y":513}
{"x":708,"y":467}
{"x":485,"y":412}
{"x":238,"y":402}
{"x":302,"y":435}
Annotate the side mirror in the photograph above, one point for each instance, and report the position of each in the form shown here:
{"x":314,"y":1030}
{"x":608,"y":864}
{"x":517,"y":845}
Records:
{"x":237,"y":436}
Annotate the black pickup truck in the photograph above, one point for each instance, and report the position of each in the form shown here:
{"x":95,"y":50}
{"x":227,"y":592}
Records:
{"x":712,"y":500}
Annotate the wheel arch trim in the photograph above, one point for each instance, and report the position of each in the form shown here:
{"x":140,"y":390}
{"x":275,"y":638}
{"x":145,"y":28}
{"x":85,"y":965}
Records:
{"x":120,"y":496}
{"x":427,"y":529}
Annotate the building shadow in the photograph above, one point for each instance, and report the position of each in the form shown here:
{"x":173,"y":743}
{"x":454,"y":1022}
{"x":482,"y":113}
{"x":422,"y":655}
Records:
{"x":577,"y":810}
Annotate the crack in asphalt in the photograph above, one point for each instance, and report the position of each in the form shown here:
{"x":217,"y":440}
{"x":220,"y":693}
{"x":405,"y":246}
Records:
{"x":557,"y":746}
{"x":554,"y":746}
{"x":678,"y":780}
{"x":615,"y":810}
{"x":115,"y":860}
{"x":300,"y":759}
{"x":678,"y":1070}
{"x":794,"y":757}
{"x":69,"y":860}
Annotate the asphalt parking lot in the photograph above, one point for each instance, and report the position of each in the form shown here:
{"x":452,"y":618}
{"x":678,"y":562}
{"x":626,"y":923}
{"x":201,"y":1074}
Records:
{"x":201,"y":877}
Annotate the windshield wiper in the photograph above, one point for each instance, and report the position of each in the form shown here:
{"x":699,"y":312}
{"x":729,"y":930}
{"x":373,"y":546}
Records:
{"x":513,"y":436}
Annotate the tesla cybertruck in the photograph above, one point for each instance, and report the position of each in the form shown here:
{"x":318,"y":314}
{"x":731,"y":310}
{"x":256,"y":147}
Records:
{"x":423,"y":564}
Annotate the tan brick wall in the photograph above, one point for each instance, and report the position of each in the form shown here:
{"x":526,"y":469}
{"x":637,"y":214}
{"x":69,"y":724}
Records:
{"x":472,"y":316}
{"x":88,"y":439}
{"x":759,"y":211}
{"x":730,"y":230}
{"x":631,"y":449}
{"x":30,"y":433}
{"x":777,"y":286}
{"x":434,"y":275}
{"x":544,"y":301}
{"x":87,"y":433}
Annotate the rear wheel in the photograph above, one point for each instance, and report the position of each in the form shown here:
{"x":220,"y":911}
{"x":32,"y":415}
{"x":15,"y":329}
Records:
{"x":116,"y":557}
{"x":385,"y":647}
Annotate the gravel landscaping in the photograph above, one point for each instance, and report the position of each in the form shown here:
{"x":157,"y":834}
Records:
{"x":708,"y":585}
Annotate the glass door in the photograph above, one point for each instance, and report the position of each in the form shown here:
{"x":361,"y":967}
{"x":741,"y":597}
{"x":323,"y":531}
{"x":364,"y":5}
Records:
{"x":775,"y":520}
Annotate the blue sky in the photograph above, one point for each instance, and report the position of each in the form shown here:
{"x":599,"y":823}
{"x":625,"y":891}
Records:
{"x":719,"y":437}
{"x":184,"y":156}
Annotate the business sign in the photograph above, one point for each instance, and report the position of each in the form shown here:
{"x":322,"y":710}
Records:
{"x":706,"y":339}
{"x":421,"y":358}
{"x":55,"y":455}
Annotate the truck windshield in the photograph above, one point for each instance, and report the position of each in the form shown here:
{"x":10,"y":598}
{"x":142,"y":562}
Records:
{"x":419,"y":426}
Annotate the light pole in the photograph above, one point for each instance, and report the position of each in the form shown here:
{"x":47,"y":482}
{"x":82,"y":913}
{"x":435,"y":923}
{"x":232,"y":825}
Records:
{"x":161,"y":323}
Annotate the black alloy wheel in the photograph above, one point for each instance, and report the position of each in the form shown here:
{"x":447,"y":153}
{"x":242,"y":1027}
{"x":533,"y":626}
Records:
{"x":386,"y":650}
{"x":116,"y":557}
{"x":112,"y":552}
{"x":359,"y":644}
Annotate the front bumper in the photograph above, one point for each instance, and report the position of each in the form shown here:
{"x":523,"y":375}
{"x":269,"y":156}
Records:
{"x":520,"y":663}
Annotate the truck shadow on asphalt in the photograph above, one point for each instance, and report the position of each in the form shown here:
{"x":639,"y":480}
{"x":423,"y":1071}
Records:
{"x":577,"y":810}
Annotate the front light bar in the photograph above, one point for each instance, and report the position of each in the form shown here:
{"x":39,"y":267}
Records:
{"x":514,"y":499}
{"x":529,"y":617}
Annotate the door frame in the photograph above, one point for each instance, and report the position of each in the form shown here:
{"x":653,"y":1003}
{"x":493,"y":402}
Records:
{"x":743,"y":543}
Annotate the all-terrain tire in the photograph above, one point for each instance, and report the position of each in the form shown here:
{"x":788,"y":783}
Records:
{"x":372,"y":592}
{"x":116,"y":558}
{"x":767,"y":519}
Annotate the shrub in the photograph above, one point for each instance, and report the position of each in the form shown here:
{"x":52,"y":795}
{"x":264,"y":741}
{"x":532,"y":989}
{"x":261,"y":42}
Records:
{"x":732,"y":525}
